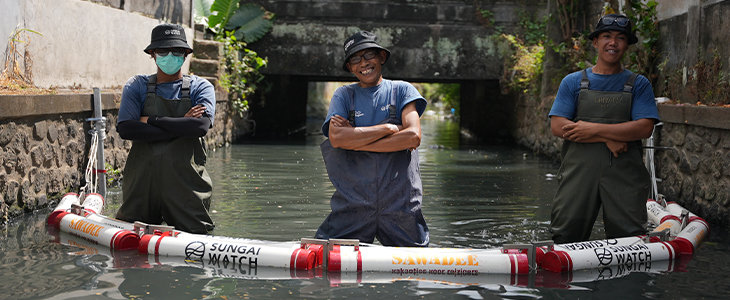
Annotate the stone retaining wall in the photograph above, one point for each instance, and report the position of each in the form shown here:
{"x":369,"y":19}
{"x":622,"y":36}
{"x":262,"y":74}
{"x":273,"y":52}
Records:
{"x":696,"y":173}
{"x":44,"y":145}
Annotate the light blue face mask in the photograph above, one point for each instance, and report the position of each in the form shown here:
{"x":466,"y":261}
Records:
{"x":170,"y":63}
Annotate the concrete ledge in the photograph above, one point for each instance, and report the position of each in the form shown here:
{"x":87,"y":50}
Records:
{"x":19,"y":106}
{"x":705,"y":116}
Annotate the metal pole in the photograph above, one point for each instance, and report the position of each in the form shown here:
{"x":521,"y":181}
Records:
{"x":100,"y":127}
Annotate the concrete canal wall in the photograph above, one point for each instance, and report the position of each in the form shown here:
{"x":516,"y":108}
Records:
{"x":84,"y":44}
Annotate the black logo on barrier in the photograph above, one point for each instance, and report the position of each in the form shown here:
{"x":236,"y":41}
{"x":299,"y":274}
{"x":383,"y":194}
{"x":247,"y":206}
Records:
{"x":195,"y":251}
{"x":604,"y":256}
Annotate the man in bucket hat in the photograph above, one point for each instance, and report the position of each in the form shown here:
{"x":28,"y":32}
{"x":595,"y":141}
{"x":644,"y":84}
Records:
{"x":602,"y":113}
{"x":374,"y":129}
{"x":166,"y":116}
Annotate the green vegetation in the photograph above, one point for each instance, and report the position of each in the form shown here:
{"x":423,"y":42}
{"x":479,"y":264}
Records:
{"x":524,"y":53}
{"x":642,"y":58}
{"x":446,"y":93}
{"x":249,"y":21}
{"x":243,"y":74}
{"x":113,"y":176}
{"x":235,"y":26}
{"x":525,"y":50}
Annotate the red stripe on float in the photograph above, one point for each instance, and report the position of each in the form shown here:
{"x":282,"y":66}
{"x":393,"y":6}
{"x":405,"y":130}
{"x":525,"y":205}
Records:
{"x":359,"y":265}
{"x":511,"y":263}
{"x":523,"y":264}
{"x":684,"y":246}
{"x":698,"y":219}
{"x":114,"y":237}
{"x":669,"y":217}
{"x":157,"y":245}
{"x":334,"y":262}
{"x":144,"y":243}
{"x":54,"y":219}
{"x":125,"y":240}
{"x":557,"y":261}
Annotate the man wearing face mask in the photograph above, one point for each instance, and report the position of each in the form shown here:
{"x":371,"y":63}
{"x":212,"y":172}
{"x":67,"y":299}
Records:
{"x":166,"y":115}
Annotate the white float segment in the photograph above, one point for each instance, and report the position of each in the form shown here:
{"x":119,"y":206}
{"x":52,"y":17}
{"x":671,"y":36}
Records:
{"x":102,"y":234}
{"x":396,"y":260}
{"x":562,"y":261}
{"x":282,"y":255}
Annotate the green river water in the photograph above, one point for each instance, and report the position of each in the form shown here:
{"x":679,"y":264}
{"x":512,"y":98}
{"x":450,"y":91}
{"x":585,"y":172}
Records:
{"x":475,"y":196}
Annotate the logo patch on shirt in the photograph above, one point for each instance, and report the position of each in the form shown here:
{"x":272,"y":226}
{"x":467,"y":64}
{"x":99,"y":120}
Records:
{"x":358,"y":114}
{"x":384,"y":108}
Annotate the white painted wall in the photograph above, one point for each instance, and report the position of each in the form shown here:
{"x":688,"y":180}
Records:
{"x":84,"y":44}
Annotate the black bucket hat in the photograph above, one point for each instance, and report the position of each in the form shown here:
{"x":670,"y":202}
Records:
{"x":360,"y":41}
{"x":615,"y":22}
{"x":168,"y":36}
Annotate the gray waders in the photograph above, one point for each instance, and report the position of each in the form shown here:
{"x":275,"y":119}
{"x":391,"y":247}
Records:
{"x":167,"y":180}
{"x":377,"y":194}
{"x":590,"y":177}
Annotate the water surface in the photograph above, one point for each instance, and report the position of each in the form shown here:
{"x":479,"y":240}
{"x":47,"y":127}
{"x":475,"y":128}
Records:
{"x":474,"y":196}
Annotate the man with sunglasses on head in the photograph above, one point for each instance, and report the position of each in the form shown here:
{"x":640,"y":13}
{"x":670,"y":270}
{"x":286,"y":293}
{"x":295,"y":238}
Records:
{"x":374,"y":129}
{"x":166,"y":115}
{"x":602,"y":113}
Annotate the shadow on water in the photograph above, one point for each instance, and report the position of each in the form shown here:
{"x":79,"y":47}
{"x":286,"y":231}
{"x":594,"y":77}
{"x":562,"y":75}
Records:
{"x":474,"y":196}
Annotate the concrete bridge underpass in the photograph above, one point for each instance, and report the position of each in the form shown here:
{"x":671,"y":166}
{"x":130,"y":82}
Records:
{"x":444,"y":41}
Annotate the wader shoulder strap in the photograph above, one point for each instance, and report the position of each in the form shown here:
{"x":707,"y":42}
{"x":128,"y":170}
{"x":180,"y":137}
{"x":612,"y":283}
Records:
{"x":392,"y":108}
{"x":351,"y":107}
{"x":629,"y":85}
{"x":584,"y":82}
{"x":151,"y":83}
{"x":185,"y":92}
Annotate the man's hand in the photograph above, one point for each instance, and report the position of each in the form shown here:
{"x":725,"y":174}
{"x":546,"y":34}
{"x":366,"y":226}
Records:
{"x":196,"y":111}
{"x":579,"y":131}
{"x":339,"y":121}
{"x":617,"y":147}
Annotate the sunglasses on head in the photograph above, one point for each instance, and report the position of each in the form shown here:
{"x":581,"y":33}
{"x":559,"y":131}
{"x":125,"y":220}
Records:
{"x":621,"y":21}
{"x":368,"y":55}
{"x":165,"y":52}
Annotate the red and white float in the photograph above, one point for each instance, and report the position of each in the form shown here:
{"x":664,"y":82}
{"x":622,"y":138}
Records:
{"x":677,"y":233}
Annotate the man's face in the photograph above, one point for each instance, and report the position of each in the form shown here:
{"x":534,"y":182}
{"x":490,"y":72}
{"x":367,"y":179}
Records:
{"x":611,"y":46}
{"x":369,"y":67}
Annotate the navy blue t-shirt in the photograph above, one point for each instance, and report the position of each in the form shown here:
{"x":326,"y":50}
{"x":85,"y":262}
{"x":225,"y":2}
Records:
{"x":643,"y":106}
{"x":134,"y":95}
{"x":371,"y":104}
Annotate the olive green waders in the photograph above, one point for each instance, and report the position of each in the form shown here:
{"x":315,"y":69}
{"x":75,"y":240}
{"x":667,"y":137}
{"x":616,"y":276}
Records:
{"x":590,"y":177}
{"x":167,"y":180}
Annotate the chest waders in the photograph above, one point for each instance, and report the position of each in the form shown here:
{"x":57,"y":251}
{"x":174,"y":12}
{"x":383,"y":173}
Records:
{"x":376,"y":194}
{"x":167,"y":180}
{"x":590,"y":177}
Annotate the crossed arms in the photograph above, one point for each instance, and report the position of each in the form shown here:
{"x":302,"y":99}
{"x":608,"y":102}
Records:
{"x":192,"y":124}
{"x":615,"y":136}
{"x":378,"y":138}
